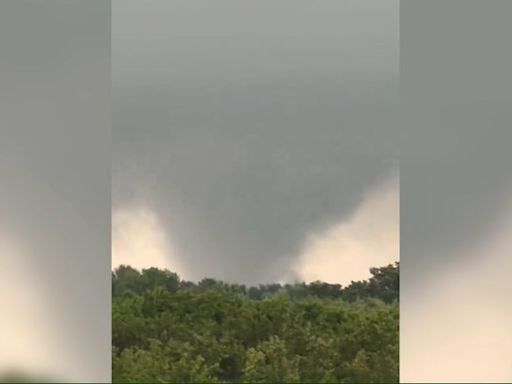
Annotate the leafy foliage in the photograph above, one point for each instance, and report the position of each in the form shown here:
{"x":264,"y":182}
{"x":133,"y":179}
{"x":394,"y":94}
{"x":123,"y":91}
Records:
{"x":168,"y":330}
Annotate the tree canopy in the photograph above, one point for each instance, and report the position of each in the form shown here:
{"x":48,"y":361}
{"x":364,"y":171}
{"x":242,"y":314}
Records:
{"x":168,"y":330}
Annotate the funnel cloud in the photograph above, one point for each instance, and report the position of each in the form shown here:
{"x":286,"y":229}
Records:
{"x":247,"y":128}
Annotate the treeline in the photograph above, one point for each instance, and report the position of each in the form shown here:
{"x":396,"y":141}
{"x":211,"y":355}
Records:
{"x":383,"y":285}
{"x":168,"y":330}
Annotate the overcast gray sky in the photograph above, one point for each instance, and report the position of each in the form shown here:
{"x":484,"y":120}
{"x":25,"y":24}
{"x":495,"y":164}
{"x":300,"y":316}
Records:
{"x":244,"y":128}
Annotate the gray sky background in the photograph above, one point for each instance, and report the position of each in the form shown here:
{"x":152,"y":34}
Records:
{"x":247,"y":127}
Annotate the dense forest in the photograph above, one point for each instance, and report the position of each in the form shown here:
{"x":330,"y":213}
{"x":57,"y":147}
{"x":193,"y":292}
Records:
{"x":168,"y":330}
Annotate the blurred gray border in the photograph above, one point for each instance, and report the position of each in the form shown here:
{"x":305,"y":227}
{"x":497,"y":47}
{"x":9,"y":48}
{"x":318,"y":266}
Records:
{"x":455,"y":164}
{"x":55,"y":129}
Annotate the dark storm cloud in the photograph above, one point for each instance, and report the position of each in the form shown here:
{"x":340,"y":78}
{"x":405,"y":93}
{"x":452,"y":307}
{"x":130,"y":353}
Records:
{"x":247,"y":126}
{"x":54,"y":173}
{"x":456,"y":102}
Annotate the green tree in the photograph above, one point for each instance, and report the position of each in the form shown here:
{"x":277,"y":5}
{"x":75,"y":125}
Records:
{"x":152,"y":278}
{"x":126,"y":279}
{"x":269,"y":361}
{"x":168,"y":330}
